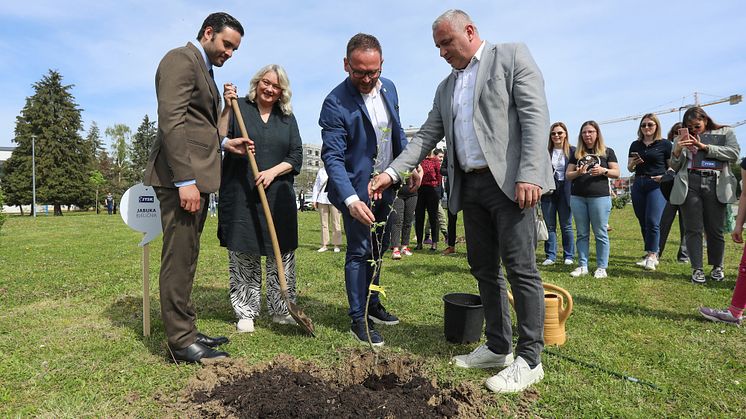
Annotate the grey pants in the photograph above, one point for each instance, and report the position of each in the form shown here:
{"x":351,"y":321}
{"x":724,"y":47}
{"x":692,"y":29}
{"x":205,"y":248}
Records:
{"x":497,"y":230}
{"x":702,"y":212}
{"x":401,"y":220}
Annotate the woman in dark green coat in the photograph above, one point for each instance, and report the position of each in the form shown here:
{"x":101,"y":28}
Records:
{"x":242,"y":226}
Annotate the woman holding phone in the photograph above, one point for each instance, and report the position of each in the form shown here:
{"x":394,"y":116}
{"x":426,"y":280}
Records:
{"x":589,"y":169}
{"x":703,"y":186}
{"x":648,"y":159}
{"x":557,"y":203}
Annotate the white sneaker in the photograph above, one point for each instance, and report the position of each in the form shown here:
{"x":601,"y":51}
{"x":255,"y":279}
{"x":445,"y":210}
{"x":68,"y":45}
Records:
{"x":600,"y":273}
{"x":482,"y":357}
{"x":517,"y":377}
{"x":322,"y":249}
{"x":283,"y":319}
{"x":644,"y":260}
{"x":568,"y":262}
{"x":650,"y":264}
{"x":245,"y":325}
{"x":336,"y":249}
{"x":579,"y":271}
{"x":548,"y":262}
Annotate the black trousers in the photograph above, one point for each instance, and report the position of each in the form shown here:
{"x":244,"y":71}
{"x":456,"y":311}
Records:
{"x":427,"y":200}
{"x":452,"y":219}
{"x":669,"y":213}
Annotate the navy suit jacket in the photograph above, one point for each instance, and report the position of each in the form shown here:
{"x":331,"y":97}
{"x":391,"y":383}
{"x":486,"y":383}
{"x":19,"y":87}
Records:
{"x":349,"y":141}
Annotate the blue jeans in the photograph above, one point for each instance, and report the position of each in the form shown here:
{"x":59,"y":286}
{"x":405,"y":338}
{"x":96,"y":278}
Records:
{"x":648,"y":202}
{"x":592,"y":212}
{"x":552,"y":205}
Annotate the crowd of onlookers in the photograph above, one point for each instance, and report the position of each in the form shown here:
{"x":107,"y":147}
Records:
{"x":687,"y":172}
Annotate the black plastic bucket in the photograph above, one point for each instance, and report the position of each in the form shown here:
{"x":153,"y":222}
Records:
{"x":463,"y":317}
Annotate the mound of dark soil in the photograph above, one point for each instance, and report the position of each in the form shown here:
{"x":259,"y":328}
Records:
{"x":365,"y":385}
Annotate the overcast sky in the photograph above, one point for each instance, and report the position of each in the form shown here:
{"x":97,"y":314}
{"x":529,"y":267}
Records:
{"x":600,"y":59}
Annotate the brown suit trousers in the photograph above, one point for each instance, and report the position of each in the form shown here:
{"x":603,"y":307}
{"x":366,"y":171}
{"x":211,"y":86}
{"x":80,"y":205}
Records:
{"x":181,"y":234}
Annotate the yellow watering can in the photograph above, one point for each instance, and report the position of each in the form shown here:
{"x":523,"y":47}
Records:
{"x":558,"y":306}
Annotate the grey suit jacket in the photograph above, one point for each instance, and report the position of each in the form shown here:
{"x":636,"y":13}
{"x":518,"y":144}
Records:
{"x":187,"y":145}
{"x":726,"y":182}
{"x":511,"y":120}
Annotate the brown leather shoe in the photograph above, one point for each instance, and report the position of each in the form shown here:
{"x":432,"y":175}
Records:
{"x":449,"y":250}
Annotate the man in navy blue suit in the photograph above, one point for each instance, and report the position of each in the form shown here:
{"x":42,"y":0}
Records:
{"x":361,"y":134}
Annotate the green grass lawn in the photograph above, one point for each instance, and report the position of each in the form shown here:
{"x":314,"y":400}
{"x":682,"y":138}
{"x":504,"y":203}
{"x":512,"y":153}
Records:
{"x":71,"y":339}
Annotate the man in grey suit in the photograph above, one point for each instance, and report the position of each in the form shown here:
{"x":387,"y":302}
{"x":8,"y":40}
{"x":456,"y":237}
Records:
{"x":184,"y":168}
{"x":493,"y":113}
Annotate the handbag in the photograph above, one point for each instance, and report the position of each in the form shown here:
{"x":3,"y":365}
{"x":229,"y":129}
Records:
{"x":542,"y":234}
{"x":666,"y":185}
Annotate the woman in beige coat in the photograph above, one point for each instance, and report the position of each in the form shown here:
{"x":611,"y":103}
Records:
{"x":704,"y":184}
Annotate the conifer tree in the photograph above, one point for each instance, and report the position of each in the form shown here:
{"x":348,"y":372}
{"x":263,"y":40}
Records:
{"x":140,"y":149}
{"x":53,"y":118}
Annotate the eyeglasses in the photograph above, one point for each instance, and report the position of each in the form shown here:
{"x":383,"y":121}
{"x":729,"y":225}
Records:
{"x":648,"y":125}
{"x":360,"y":74}
{"x":557,"y":133}
{"x":266,"y":83}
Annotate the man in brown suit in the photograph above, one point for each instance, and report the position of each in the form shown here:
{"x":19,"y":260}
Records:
{"x":184,"y":168}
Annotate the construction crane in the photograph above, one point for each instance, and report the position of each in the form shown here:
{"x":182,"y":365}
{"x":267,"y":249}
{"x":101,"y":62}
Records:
{"x":732,"y":100}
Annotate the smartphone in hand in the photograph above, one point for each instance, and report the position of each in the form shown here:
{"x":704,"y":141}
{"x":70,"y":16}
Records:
{"x":684,"y":132}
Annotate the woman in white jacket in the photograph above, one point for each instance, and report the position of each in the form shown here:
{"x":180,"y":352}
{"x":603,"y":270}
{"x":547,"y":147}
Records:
{"x":326,"y":209}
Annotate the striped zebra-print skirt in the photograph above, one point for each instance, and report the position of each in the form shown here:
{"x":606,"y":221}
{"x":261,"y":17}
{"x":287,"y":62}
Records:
{"x":246,"y":283}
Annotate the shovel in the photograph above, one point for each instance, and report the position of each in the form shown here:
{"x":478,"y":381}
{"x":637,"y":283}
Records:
{"x":295,"y":311}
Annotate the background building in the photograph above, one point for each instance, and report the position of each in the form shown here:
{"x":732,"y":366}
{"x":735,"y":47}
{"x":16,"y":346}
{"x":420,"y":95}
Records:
{"x":311,"y":165}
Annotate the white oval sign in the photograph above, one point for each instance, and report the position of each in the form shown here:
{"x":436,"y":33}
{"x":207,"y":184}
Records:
{"x":141,"y":211}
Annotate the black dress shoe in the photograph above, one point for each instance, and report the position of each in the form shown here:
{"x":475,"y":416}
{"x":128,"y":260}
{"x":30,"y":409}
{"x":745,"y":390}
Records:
{"x":196,"y":352}
{"x":211,"y":342}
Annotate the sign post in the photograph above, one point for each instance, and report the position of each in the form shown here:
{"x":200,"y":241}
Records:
{"x":141,"y":211}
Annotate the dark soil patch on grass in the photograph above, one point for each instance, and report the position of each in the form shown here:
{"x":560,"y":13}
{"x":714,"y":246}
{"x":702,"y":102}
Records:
{"x":363,"y":385}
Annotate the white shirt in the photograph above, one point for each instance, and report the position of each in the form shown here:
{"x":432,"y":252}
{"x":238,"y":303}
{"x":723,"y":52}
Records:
{"x":558,"y":163}
{"x":468,"y":150}
{"x":379,"y":117}
{"x":319,"y":193}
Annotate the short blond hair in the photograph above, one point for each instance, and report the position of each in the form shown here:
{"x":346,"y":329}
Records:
{"x":284,"y":99}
